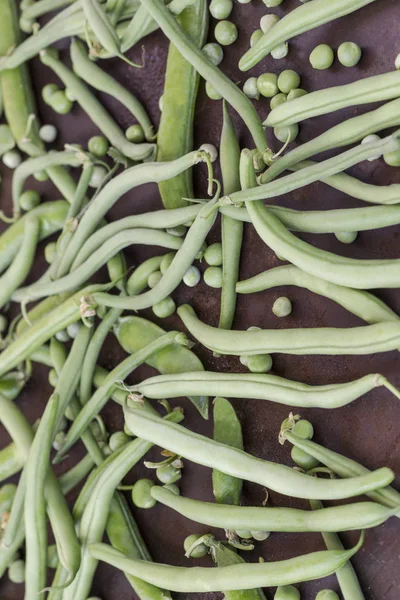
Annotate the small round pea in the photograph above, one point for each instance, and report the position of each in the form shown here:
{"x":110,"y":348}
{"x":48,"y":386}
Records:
{"x":168,"y":474}
{"x":267,"y":22}
{"x":392,"y":158}
{"x":29,"y":200}
{"x":244,"y":534}
{"x":166,"y":262}
{"x":297,"y":93}
{"x":72,"y":330}
{"x":277,"y":100}
{"x":172,"y":488}
{"x":286,"y":133}
{"x":220,"y":9}
{"x":48,"y":91}
{"x":161,"y":102}
{"x":282,"y":307}
{"x":213,"y":277}
{"x":369,"y":139}
{"x":211,"y":151}
{"x":3,"y":323}
{"x":288,"y":80}
{"x":154,"y":278}
{"x":59,"y":440}
{"x":214,"y":53}
{"x":260,"y":536}
{"x":48,"y":133}
{"x":244,"y":359}
{"x":346,"y":237}
{"x":322,"y":57}
{"x":272,"y":3}
{"x":267,"y":85}
{"x":141,"y":496}
{"x":12,"y":159}
{"x":213,"y":255}
{"x":255,"y":36}
{"x":62,"y":336}
{"x":225,"y":33}
{"x":302,"y":459}
{"x":280,"y":51}
{"x":135,"y":134}
{"x":259,"y":363}
{"x":16,"y":571}
{"x":53,"y":377}
{"x":349,"y":54}
{"x":165,"y":308}
{"x":60,"y":103}
{"x":327,"y":595}
{"x":98,"y":175}
{"x":397,"y":62}
{"x":50,"y":252}
{"x":212,"y":92}
{"x":197,"y":552}
{"x":52,"y":557}
{"x":303,"y":429}
{"x":98,"y":145}
{"x":41,"y":176}
{"x":250,"y":88}
{"x":192,"y":276}
{"x":244,"y":1}
{"x":117,"y":440}
{"x":287,"y":592}
{"x":106,"y":450}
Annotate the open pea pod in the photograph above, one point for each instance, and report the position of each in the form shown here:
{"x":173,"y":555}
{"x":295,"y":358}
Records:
{"x":133,"y":333}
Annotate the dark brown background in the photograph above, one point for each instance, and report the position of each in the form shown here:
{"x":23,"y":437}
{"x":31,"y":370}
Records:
{"x":367,"y":430}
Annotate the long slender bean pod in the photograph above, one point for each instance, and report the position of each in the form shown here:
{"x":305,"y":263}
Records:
{"x":232,"y":461}
{"x":369,"y":339}
{"x":346,"y":576}
{"x":11,"y":461}
{"x":78,"y":473}
{"x":175,"y":133}
{"x":41,"y":7}
{"x":220,"y":82}
{"x":363,"y":304}
{"x":360,"y":515}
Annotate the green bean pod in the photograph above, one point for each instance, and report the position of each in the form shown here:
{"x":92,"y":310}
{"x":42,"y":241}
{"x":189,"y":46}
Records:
{"x":137,"y":282}
{"x":301,"y":19}
{"x":232,"y":461}
{"x":134,"y":333}
{"x":76,"y":474}
{"x":240,"y":576}
{"x":175,"y":133}
{"x":7,"y":495}
{"x":360,"y":515}
{"x":11,"y":461}
{"x":348,"y":272}
{"x":41,"y":7}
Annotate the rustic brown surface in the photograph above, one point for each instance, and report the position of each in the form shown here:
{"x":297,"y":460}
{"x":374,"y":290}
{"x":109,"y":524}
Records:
{"x":367,"y":430}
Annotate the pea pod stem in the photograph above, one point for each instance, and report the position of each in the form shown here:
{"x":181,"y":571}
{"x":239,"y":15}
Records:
{"x":279,"y":478}
{"x":359,"y":515}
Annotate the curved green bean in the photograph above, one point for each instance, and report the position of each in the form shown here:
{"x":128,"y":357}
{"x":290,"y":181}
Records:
{"x":303,"y":18}
{"x":279,"y":478}
{"x":41,"y":7}
{"x":137,"y":282}
{"x":78,"y":473}
{"x":11,"y":461}
{"x":369,"y":339}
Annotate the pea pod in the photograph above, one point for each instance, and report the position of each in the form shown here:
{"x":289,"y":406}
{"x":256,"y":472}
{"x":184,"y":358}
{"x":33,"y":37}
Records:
{"x":7,"y":493}
{"x":227,"y":430}
{"x":134,"y":333}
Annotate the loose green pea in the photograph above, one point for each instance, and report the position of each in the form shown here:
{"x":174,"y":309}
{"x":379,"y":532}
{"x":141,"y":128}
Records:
{"x":141,"y":496}
{"x":267,"y":84}
{"x":244,"y":534}
{"x":282,"y":307}
{"x":165,"y":308}
{"x":168,"y":474}
{"x":213,"y":277}
{"x":72,"y":330}
{"x":225,"y":33}
{"x":211,"y":92}
{"x":41,"y":176}
{"x":172,"y":488}
{"x":346,"y":237}
{"x":3,"y":323}
{"x":288,"y":80}
{"x":59,"y":440}
{"x":349,"y":54}
{"x":327,"y":595}
{"x":62,"y":336}
{"x":220,"y":9}
{"x":267,"y":22}
{"x":259,"y":363}
{"x":52,"y":557}
{"x":260,"y":536}
{"x":178,"y":230}
{"x":135,"y":134}
{"x":48,"y":91}
{"x":370,"y":139}
{"x":53,"y":378}
{"x":117,"y":440}
{"x":48,"y":133}
{"x":250,"y":88}
{"x":277,"y":100}
{"x":154,"y":278}
{"x":106,"y":450}
{"x":287,"y":592}
{"x":200,"y":550}
{"x":297,"y":93}
{"x":302,"y":459}
{"x":70,"y":95}
{"x":211,"y":151}
{"x":304,"y":429}
{"x":98,"y":176}
{"x":60,"y":103}
{"x":280,"y":51}
{"x":192,"y":276}
{"x":166,"y":262}
{"x":161,"y":102}
{"x":255,"y":36}
{"x":12,"y":159}
{"x":213,"y":255}
{"x":50,"y":252}
{"x":214,"y":53}
{"x":16,"y":571}
{"x":286,"y":133}
{"x":98,"y":145}
{"x":322,"y":57}
{"x":392,"y":158}
{"x":29,"y":200}
{"x":127,"y":431}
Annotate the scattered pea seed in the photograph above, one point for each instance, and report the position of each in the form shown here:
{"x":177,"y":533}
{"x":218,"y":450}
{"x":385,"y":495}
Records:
{"x":98,"y":145}
{"x":117,"y":440}
{"x":286,"y":134}
{"x":16,"y":571}
{"x":392,"y":158}
{"x":98,"y":176}
{"x":277,"y":100}
{"x":322,"y":57}
{"x":211,"y":151}
{"x":220,"y":9}
{"x":135,"y":134}
{"x":192,"y":276}
{"x":48,"y":133}
{"x":213,"y":277}
{"x":288,"y":80}
{"x":154,"y":278}
{"x":255,"y":36}
{"x":48,"y":91}
{"x":349,"y":54}
{"x":346,"y":237}
{"x":41,"y":176}
{"x":60,"y":103}
{"x":267,"y":22}
{"x":213,"y":255}
{"x":225,"y":33}
{"x":297,"y":93}
{"x":250,"y":88}
{"x":303,"y":429}
{"x":211,"y":92}
{"x":214,"y":53}
{"x":282,"y":307}
{"x":12,"y":159}
{"x":141,"y":496}
{"x":369,"y":139}
{"x":280,"y":51}
{"x":50,"y":252}
{"x":29,"y":199}
{"x":165,"y":308}
{"x":302,"y":459}
{"x":197,"y":552}
{"x":267,"y":85}
{"x":259,"y":363}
